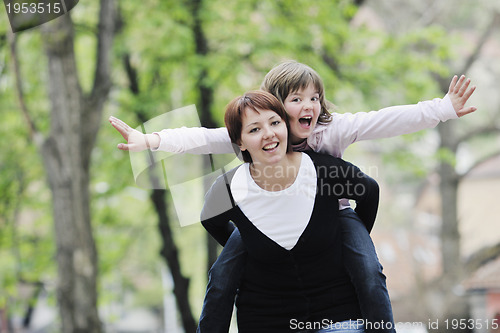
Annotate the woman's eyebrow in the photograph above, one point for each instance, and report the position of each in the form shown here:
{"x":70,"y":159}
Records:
{"x":258,"y":122}
{"x":251,"y":124}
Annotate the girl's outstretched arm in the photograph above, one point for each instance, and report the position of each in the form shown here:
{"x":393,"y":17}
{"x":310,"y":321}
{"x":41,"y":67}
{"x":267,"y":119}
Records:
{"x":348,"y":128}
{"x":136,"y":141}
{"x":194,"y":140}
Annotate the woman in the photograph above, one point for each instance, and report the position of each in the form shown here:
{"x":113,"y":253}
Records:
{"x":285,"y":205}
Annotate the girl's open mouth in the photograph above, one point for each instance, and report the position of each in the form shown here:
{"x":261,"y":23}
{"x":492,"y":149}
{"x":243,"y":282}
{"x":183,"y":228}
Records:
{"x":305,"y":121}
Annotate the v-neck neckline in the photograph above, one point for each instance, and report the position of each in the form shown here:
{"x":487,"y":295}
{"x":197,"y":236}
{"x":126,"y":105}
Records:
{"x":284,"y":191}
{"x":304,"y":233}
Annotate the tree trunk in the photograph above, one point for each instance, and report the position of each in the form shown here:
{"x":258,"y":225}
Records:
{"x":205,"y":101}
{"x":455,"y":301}
{"x":75,"y":120}
{"x":4,"y":320}
{"x":450,"y":236}
{"x":68,"y":179}
{"x":455,"y":304}
{"x":170,"y":253}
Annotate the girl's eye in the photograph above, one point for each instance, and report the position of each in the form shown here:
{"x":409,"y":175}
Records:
{"x":296,"y":99}
{"x":315,"y":99}
{"x":253,"y":130}
{"x":276,"y":122}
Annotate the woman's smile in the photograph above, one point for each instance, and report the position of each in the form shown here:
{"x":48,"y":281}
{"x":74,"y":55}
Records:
{"x":264,"y":135}
{"x":271,"y":147}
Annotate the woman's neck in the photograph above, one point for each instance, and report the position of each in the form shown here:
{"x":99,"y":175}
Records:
{"x":278,"y":176}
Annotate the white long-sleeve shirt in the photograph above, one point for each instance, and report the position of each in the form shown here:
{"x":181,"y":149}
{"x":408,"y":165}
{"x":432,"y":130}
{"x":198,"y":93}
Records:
{"x":332,"y":138}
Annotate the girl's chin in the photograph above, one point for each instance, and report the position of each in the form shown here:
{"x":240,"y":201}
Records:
{"x":300,"y":138}
{"x":303,"y":131}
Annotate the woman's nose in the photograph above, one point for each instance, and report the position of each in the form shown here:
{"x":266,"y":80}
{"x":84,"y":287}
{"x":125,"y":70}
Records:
{"x":268,"y":132}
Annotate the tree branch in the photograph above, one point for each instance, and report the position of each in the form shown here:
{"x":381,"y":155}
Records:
{"x":102,"y":81}
{"x":430,"y":13}
{"x":477,"y":163}
{"x":331,"y":63}
{"x":131,"y":74}
{"x":33,"y":131}
{"x":484,"y":37}
{"x":329,"y":60}
{"x":484,"y":130}
{"x":102,"y":76}
{"x":444,"y":81}
{"x":482,"y":256}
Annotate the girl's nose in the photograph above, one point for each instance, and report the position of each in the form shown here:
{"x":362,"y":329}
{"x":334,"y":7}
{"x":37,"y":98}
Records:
{"x":308,"y":105}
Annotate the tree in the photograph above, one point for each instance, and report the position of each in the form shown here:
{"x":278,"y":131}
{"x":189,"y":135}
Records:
{"x":446,"y":302}
{"x":66,"y":153}
{"x":453,"y":273}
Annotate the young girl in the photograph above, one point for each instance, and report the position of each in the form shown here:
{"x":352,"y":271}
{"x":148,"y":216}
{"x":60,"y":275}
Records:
{"x":285,"y":204}
{"x":312,"y":127}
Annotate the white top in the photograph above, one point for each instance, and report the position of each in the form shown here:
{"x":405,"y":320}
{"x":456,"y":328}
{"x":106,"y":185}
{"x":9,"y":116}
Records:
{"x":281,"y":215}
{"x":333,"y":138}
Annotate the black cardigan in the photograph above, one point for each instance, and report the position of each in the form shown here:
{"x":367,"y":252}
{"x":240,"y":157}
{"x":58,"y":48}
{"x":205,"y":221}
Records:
{"x":307,"y":283}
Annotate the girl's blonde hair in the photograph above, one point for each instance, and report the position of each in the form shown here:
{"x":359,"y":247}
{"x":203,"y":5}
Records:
{"x":291,"y":76}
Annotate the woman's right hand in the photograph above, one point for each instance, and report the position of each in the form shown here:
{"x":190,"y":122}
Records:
{"x":136,"y":141}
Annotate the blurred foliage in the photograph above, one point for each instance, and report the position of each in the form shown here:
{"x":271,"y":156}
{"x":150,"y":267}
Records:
{"x":26,"y":243}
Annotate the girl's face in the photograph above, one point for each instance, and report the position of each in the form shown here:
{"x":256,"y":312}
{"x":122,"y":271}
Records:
{"x":264,"y":136}
{"x":303,"y":108}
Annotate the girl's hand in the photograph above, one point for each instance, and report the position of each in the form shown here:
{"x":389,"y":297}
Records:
{"x":136,"y":141}
{"x":459,"y":93}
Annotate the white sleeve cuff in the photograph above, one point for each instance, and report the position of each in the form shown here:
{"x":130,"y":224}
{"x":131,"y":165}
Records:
{"x":448,"y":109}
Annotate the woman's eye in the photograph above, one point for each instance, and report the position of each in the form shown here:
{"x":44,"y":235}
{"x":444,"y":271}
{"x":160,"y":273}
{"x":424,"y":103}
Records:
{"x":276,"y":122}
{"x":253,"y":130}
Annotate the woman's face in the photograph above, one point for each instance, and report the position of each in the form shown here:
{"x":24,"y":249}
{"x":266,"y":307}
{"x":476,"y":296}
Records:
{"x":303,"y":108}
{"x":264,"y":136}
